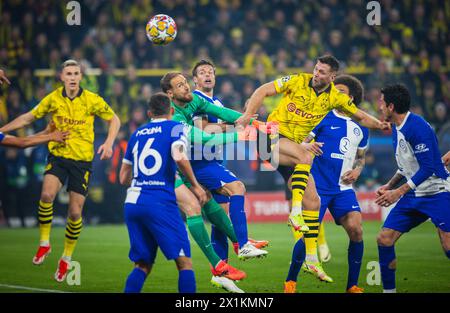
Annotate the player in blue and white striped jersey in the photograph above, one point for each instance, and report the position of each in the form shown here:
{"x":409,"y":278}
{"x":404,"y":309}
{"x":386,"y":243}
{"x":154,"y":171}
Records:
{"x":426,"y":193}
{"x":151,"y":213}
{"x":345,"y":145}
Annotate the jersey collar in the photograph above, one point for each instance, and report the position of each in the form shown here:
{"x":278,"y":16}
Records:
{"x":64,"y":94}
{"x":156,"y":120}
{"x":202,"y":94}
{"x":404,"y":121}
{"x":318,"y":94}
{"x":341,"y":116}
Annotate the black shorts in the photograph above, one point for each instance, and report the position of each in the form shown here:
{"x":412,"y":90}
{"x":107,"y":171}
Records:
{"x":77,"y":173}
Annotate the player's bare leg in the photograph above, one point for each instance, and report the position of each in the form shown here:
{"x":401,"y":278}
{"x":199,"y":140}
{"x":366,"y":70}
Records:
{"x":50,"y":189}
{"x":352,"y":223}
{"x":386,"y":240}
{"x":189,"y":204}
{"x":445,"y":241}
{"x":236,"y":191}
{"x":73,"y":230}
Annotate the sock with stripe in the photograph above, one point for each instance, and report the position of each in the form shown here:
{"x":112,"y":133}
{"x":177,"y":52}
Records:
{"x":312,"y":220}
{"x":45,"y":218}
{"x":198,"y":231}
{"x":298,"y":256}
{"x":239,"y":219}
{"x":73,"y":230}
{"x":217,"y":216}
{"x":386,"y":256}
{"x":186,"y":281}
{"x":135,"y":281}
{"x":355,"y":255}
{"x":300,"y":178}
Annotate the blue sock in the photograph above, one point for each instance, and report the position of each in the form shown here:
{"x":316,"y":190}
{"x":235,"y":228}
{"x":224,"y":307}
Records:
{"x":386,"y":256}
{"x":355,"y":254}
{"x":298,"y":256}
{"x":135,"y":281}
{"x":239,"y":219}
{"x":219,"y":242}
{"x":186,"y":281}
{"x":448,"y":253}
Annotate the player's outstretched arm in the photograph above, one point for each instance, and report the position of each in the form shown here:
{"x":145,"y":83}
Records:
{"x":255,"y":102}
{"x":34,"y":140}
{"x":180,"y":157}
{"x":19,"y":122}
{"x":369,"y":121}
{"x":105,"y":150}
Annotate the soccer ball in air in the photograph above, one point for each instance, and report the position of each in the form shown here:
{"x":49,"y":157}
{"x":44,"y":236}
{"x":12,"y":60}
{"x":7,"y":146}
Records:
{"x":161,"y":29}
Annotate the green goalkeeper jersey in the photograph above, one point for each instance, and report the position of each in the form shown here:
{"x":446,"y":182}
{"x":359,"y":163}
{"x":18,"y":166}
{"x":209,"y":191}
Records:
{"x":198,"y":106}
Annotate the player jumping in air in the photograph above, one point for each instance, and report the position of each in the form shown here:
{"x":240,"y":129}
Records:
{"x":151,"y":213}
{"x":73,"y":109}
{"x":426,"y":193}
{"x":307,"y":98}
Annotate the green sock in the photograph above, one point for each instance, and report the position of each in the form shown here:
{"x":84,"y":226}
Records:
{"x":217,"y":216}
{"x":201,"y":237}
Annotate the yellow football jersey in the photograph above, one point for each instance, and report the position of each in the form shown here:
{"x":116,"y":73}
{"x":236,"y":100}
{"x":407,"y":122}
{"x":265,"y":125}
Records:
{"x":77,"y":117}
{"x":301,"y":108}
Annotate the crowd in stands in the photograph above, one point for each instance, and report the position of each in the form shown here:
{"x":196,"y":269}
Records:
{"x":250,"y":41}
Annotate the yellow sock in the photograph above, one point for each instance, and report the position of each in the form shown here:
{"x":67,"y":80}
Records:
{"x":312,"y":220}
{"x":73,"y":230}
{"x":297,"y":234}
{"x":299,"y":181}
{"x":45,"y":217}
{"x":321,"y":240}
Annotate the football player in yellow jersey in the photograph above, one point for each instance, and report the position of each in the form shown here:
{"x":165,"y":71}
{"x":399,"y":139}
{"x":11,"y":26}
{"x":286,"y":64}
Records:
{"x":306,"y":99}
{"x":73,"y":109}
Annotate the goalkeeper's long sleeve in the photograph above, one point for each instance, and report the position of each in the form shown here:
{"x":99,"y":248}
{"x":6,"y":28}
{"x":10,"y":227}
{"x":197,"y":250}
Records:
{"x":199,"y":136}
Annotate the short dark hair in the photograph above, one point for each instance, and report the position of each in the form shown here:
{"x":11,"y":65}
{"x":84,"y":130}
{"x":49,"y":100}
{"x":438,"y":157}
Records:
{"x":354,"y":85}
{"x":165,"y":80}
{"x":200,"y":63}
{"x":398,"y":95}
{"x":159,"y":104}
{"x":331,"y":61}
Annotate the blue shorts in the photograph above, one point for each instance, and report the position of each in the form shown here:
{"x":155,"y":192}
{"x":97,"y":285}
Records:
{"x":220,"y":198}
{"x":212,"y":175}
{"x":411,"y":211}
{"x":157,"y":224}
{"x":338,"y":204}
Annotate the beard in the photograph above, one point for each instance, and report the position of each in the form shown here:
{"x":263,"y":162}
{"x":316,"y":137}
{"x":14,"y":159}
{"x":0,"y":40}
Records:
{"x":319,"y":85}
{"x":185,"y":99}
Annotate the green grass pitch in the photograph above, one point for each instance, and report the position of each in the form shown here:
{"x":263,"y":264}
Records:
{"x":103,"y":254}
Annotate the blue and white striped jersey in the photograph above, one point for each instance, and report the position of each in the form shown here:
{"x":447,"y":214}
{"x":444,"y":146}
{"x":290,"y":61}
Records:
{"x":342,"y":137}
{"x":418,"y":156}
{"x":149,"y":151}
{"x":214,"y":153}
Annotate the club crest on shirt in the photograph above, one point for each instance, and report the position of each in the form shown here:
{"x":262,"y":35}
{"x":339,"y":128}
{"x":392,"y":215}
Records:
{"x":357,"y":132}
{"x":402,"y":145}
